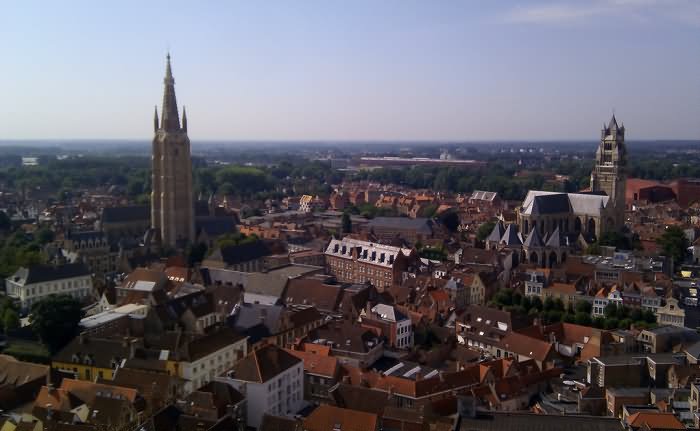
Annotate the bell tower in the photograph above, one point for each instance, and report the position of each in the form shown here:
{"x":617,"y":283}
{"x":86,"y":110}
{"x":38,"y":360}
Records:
{"x":172,"y":206}
{"x":610,"y":172}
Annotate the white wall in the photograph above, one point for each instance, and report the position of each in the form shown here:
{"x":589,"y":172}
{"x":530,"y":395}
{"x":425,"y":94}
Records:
{"x":79,"y":287}
{"x":262,"y":397}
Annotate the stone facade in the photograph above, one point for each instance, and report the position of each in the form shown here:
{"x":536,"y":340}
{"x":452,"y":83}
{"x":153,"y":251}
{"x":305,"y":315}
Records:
{"x":172,"y":207}
{"x":609,"y":174}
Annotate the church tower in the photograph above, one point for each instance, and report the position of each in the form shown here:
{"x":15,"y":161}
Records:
{"x":609,"y":174}
{"x":172,"y":207}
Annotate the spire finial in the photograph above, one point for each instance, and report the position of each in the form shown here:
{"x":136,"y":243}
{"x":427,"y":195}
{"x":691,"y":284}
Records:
{"x":184,"y":119}
{"x":170,"y":119}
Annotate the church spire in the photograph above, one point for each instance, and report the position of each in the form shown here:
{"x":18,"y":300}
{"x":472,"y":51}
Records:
{"x":184,"y":119}
{"x":170,"y":120}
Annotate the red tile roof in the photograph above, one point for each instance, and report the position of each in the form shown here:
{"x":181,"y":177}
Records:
{"x":655,"y":421}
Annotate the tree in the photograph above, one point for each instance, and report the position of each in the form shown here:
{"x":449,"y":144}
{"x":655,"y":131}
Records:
{"x":55,"y":320}
{"x":10,"y":320}
{"x":583,"y":318}
{"x":611,"y":323}
{"x":584,"y":307}
{"x":537,"y":303}
{"x":196,"y":253}
{"x":674,"y":243}
{"x":44,"y":236}
{"x":610,"y":310}
{"x":449,"y":219}
{"x":649,"y":316}
{"x":346,"y":223}
{"x":5,"y":222}
{"x":548,"y":304}
{"x":484,"y":230}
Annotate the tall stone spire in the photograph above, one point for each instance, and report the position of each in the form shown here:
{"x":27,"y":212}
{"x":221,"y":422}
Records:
{"x":172,"y":206}
{"x":170,"y":120}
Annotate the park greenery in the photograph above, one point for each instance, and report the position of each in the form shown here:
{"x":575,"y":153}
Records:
{"x":23,"y":249}
{"x":55,"y":320}
{"x":674,"y":243}
{"x":552,"y":311}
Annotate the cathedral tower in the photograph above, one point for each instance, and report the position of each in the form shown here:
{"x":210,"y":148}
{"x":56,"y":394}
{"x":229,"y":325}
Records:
{"x":172,"y":207}
{"x":609,"y":174}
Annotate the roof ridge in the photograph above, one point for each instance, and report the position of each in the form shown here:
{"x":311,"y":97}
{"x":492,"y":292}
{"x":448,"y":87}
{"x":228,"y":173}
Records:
{"x":257,"y":365}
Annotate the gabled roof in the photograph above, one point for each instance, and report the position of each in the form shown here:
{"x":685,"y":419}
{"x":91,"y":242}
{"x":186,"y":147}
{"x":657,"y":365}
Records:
{"x":320,"y":365}
{"x":327,"y":417}
{"x":533,"y":239}
{"x":511,"y":236}
{"x":264,"y":364}
{"x":526,"y":346}
{"x":497,"y":232}
{"x":555,"y":240}
{"x":655,"y":421}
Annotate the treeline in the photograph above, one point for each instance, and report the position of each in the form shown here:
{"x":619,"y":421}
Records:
{"x":552,"y":311}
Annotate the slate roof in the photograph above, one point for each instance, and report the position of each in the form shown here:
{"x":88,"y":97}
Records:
{"x":511,"y":236}
{"x":553,"y":203}
{"x":541,"y":202}
{"x":313,"y":291}
{"x":247,"y":316}
{"x":555,"y":240}
{"x":497,"y":232}
{"x":264,"y":364}
{"x":346,"y":337}
{"x":419,"y":224}
{"x":244,"y":252}
{"x":43,"y":273}
{"x":125,"y":214}
{"x":100,"y":351}
{"x":210,"y":343}
{"x":533,"y":239}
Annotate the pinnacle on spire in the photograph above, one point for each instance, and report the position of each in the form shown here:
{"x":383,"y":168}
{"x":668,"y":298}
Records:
{"x":155,"y":119}
{"x":170,"y":120}
{"x":184,"y":119}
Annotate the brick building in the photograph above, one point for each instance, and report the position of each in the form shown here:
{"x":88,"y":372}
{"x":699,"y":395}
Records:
{"x":356,"y":261}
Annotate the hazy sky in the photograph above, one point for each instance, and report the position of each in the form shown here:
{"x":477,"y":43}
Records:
{"x":352,"y":70}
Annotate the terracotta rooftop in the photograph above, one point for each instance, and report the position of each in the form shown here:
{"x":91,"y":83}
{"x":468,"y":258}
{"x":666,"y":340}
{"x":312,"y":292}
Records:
{"x":655,"y":421}
{"x":327,"y":417}
{"x":326,"y":366}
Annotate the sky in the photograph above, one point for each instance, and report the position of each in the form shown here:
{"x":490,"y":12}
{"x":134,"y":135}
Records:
{"x":334,"y":70}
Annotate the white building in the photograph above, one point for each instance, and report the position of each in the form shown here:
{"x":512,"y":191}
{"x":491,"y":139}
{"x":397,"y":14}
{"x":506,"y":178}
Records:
{"x":398,"y":322}
{"x":30,"y":285}
{"x":272,"y":381}
{"x":209,"y":356}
